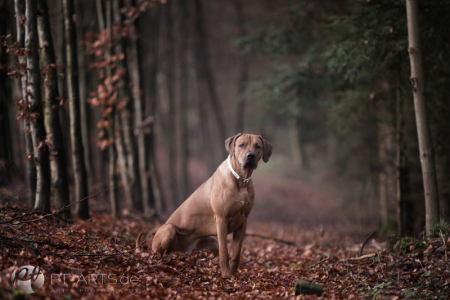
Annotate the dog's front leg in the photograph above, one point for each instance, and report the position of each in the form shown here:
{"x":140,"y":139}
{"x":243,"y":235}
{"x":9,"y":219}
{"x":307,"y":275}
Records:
{"x":221,"y":224}
{"x":238,"y":238}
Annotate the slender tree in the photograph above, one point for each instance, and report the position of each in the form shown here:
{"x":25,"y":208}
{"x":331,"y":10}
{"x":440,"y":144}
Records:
{"x":79,"y":167}
{"x":111,"y":116}
{"x":244,"y":68}
{"x":136,"y":75}
{"x":38,"y":133}
{"x":6,"y":147}
{"x":52,"y":123}
{"x":151,"y":106}
{"x":84,"y":113}
{"x":206,"y":75}
{"x":425,"y":146}
{"x":126,"y":114}
{"x":184,"y":98}
{"x":170,"y":85}
{"x":19,"y":6}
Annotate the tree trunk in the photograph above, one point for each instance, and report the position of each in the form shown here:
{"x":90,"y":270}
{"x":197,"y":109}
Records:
{"x":126,"y":114}
{"x":204,"y":68}
{"x":114,"y":192}
{"x":6,"y":147}
{"x":19,"y":6}
{"x":402,"y":185}
{"x":184,"y":98}
{"x":111,"y":133}
{"x":79,"y":167}
{"x":52,"y":123}
{"x":150,"y":109}
{"x":383,"y":132}
{"x":240,"y":126}
{"x":84,"y":112}
{"x":136,"y":75}
{"x":38,"y":133}
{"x":170,"y":85}
{"x":425,"y":147}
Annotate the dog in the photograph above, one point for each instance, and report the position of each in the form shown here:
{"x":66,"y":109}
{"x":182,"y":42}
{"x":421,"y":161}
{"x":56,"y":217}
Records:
{"x":220,"y":206}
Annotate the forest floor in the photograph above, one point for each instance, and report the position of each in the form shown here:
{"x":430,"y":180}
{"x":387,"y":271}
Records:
{"x":95,"y":260}
{"x":295,"y":231}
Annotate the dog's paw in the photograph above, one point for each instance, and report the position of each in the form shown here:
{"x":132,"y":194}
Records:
{"x":228,"y":274}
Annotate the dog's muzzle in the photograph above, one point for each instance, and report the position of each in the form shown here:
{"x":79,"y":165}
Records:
{"x":250,"y":160}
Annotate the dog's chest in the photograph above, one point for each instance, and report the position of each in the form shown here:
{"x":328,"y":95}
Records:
{"x":238,"y":211}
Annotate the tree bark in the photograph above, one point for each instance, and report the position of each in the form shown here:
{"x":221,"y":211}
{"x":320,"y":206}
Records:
{"x":79,"y":167}
{"x":402,"y":185}
{"x":184,"y":98}
{"x":114,"y":192}
{"x":240,"y":126}
{"x":38,"y":133}
{"x":6,"y":147}
{"x":425,"y":147}
{"x":126,"y":115}
{"x":136,"y":75}
{"x":19,"y":6}
{"x":383,"y":132}
{"x":84,"y":112}
{"x":204,"y":68}
{"x":52,"y":123}
{"x":150,"y":109}
{"x":111,"y":132}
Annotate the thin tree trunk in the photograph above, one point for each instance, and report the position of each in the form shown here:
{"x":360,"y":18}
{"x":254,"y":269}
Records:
{"x":170,"y":85}
{"x":52,"y":123}
{"x":136,"y":75}
{"x":126,"y":114}
{"x":114,"y":192}
{"x":79,"y":166}
{"x":383,"y":132}
{"x":150,"y":109}
{"x":36,"y":111}
{"x":240,"y":126}
{"x":184,"y":98}
{"x":113,"y":157}
{"x":425,"y":146}
{"x":19,"y":6}
{"x":84,"y":113}
{"x":402,"y":185}
{"x":204,"y":68}
{"x":6,"y":147}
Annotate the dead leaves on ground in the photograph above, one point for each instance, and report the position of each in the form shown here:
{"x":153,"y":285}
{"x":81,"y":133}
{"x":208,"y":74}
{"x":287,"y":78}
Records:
{"x":94,"y":259}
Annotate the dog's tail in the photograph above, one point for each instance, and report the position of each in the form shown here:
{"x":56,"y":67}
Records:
{"x":139,"y":241}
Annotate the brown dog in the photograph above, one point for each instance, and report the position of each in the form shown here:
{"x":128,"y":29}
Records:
{"x":218,"y":207}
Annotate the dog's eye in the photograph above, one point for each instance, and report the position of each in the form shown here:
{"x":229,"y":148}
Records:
{"x":241,"y":145}
{"x":258,"y":147}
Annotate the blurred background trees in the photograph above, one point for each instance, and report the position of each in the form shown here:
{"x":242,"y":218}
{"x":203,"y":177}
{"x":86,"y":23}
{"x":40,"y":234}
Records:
{"x":141,"y":94}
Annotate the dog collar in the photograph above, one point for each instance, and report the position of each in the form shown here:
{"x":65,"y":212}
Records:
{"x":245,"y":180}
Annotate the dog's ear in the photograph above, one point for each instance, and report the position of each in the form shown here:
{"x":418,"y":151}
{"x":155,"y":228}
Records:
{"x":229,"y":143}
{"x":267,"y":149}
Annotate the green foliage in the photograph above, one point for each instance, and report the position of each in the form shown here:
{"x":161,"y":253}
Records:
{"x":388,"y":228}
{"x":378,"y":290}
{"x":335,"y":65}
{"x":442,"y":226}
{"x":403,"y":245}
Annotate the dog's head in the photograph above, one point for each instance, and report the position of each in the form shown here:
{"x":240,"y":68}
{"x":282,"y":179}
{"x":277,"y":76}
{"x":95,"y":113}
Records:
{"x":248,"y":149}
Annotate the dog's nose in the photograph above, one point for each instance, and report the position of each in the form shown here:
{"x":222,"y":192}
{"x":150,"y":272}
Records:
{"x":251,"y":155}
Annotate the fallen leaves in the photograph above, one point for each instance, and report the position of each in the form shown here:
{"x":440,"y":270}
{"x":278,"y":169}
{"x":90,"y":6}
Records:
{"x":95,"y":259}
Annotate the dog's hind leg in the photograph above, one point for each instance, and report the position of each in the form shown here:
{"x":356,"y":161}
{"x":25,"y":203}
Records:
{"x":166,"y":239}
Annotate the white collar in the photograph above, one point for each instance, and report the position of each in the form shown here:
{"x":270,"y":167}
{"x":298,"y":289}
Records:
{"x":236,"y":174}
